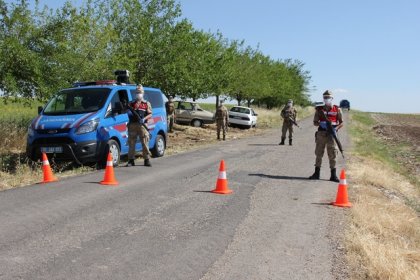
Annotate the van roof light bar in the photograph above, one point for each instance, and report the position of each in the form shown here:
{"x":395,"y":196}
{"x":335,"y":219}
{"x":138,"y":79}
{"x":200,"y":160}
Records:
{"x":123,"y":76}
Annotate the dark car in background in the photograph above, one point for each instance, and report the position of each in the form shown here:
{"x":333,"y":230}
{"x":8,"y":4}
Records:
{"x":345,"y":104}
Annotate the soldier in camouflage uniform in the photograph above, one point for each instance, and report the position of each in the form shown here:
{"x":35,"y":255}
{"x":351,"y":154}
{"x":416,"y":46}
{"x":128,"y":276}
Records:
{"x":170,"y":111}
{"x":139,"y":112}
{"x":222,"y":120}
{"x":323,"y":139}
{"x":288,"y":112}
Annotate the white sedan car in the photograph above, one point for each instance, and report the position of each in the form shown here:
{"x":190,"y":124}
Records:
{"x":242,"y":116}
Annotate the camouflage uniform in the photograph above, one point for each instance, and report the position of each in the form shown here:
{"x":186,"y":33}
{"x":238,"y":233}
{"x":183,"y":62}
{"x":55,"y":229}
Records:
{"x":323,"y":139}
{"x":286,"y":113}
{"x":136,"y":129}
{"x":222,"y":120}
{"x":170,"y":111}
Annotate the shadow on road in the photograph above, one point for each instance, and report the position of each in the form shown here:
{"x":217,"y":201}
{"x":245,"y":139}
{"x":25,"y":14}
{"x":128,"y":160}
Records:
{"x":279,"y":177}
{"x":322,"y":203}
{"x":204,"y":191}
{"x":263,"y":144}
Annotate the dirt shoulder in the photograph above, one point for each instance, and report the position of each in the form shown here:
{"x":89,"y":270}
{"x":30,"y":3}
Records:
{"x":186,"y":138}
{"x":402,"y":132}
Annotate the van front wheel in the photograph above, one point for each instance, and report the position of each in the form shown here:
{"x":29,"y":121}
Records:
{"x":115,"y":151}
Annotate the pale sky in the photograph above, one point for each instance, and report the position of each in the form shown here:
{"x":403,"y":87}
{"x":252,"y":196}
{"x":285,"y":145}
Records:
{"x":366,"y":51}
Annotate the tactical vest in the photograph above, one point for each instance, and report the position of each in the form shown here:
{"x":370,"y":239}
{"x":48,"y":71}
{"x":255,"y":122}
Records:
{"x":140,"y":107}
{"x":289,"y":112}
{"x":332,"y":114}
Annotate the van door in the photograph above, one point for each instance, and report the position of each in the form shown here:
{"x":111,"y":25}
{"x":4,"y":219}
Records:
{"x":115,"y":123}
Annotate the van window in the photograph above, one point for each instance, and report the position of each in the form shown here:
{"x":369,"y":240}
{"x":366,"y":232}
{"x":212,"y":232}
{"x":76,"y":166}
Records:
{"x":154,"y":97}
{"x":77,"y":101}
{"x":120,"y":96}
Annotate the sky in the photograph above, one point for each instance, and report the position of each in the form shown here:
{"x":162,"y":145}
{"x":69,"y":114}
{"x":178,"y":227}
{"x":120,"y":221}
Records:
{"x":366,"y":51}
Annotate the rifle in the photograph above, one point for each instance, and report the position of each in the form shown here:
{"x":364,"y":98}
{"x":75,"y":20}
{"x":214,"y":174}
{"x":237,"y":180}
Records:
{"x":138,"y":119}
{"x":333,"y":133}
{"x":294,"y":122}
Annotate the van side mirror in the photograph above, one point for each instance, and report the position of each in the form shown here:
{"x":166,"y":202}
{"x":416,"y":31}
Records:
{"x":39,"y":109}
{"x":118,"y":108}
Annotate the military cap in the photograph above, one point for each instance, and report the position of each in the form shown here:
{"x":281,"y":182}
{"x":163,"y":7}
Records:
{"x":327,"y":94}
{"x":140,"y":88}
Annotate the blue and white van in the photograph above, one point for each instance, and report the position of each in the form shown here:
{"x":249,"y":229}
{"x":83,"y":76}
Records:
{"x":83,"y":123}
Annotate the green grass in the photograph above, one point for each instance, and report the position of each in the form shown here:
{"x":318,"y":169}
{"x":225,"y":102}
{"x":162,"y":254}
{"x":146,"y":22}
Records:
{"x":365,"y":141}
{"x":15,"y":118}
{"x":367,"y":144}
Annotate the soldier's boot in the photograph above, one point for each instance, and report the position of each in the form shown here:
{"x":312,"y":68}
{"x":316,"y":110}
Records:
{"x":282,"y":141}
{"x":290,"y":142}
{"x":334,"y":175}
{"x":147,"y":163}
{"x":315,"y":176}
{"x":130,"y":162}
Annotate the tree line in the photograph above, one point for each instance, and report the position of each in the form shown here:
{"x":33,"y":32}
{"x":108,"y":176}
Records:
{"x":43,"y":50}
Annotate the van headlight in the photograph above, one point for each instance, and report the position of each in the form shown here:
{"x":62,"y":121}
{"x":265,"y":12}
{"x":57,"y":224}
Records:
{"x":30,"y":131}
{"x":87,"y":127}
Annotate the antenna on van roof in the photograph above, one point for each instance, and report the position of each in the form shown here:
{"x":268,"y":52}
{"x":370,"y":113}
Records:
{"x":123,"y":76}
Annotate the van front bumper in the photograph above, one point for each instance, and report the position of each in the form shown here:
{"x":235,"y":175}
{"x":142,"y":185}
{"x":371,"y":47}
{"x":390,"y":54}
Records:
{"x":81,"y":152}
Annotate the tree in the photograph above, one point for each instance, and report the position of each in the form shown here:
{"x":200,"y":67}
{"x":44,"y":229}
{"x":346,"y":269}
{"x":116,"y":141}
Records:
{"x":19,"y":64}
{"x":43,"y":50}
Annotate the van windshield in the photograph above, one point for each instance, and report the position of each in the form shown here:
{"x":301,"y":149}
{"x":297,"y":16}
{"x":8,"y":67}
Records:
{"x":77,"y":101}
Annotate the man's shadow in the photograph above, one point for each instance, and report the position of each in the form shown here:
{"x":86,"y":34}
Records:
{"x":279,"y":177}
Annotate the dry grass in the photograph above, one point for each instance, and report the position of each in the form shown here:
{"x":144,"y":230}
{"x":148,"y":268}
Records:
{"x":272,"y":119}
{"x":23,"y":175}
{"x":383,"y":238}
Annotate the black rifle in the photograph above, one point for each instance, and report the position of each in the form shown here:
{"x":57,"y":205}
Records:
{"x":138,"y":119}
{"x":294,"y":122}
{"x":331,"y":130}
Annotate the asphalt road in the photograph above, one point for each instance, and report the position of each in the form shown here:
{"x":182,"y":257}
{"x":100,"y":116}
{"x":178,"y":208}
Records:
{"x":163,"y":223}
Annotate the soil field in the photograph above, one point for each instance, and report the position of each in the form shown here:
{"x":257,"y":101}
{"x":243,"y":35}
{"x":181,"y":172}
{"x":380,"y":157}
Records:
{"x":402,"y":131}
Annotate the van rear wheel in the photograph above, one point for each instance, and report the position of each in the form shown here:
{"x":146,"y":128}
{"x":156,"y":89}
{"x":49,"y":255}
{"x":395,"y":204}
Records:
{"x":159,"y":148}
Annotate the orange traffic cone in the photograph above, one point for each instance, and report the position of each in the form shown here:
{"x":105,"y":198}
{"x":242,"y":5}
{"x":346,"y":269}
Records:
{"x":46,"y":169}
{"x":109,"y":178}
{"x":342,"y":199}
{"x":222,"y":184}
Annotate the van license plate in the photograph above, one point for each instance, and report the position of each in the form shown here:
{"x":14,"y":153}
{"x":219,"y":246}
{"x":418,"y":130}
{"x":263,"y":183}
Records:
{"x":51,"y":150}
